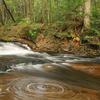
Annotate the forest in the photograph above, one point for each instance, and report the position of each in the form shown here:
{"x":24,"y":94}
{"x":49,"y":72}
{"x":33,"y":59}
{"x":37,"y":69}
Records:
{"x":64,"y":20}
{"x":49,"y":11}
{"x":49,"y":49}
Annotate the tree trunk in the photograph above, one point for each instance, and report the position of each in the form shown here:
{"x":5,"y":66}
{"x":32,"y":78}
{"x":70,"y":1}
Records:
{"x":8,"y":10}
{"x":87,"y":13}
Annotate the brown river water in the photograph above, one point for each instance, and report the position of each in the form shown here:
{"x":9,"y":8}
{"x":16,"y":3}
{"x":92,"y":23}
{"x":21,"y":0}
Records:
{"x":27,"y":75}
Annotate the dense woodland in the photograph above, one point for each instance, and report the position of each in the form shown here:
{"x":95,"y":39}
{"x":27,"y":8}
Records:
{"x":49,"y":49}
{"x":50,"y":11}
{"x":69,"y":18}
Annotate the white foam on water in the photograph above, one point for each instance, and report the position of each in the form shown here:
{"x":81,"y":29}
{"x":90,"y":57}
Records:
{"x":18,"y":49}
{"x":13,"y":49}
{"x":54,"y":59}
{"x":28,"y":67}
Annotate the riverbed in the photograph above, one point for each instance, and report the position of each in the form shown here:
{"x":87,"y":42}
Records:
{"x":28,"y":75}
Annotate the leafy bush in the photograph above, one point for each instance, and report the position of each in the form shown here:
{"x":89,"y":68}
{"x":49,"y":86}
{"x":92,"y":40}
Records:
{"x":32,"y":34}
{"x":93,"y":32}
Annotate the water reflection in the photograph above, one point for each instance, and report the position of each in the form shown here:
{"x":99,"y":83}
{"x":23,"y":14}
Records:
{"x":41,"y":76}
{"x":26,"y":87}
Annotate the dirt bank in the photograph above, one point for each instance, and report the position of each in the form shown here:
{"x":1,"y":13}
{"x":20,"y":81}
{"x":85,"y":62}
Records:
{"x":47,"y":43}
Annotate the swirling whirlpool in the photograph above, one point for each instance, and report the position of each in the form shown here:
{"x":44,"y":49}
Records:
{"x":34,"y":88}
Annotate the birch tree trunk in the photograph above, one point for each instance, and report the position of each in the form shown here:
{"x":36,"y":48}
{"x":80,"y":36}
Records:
{"x":87,"y":13}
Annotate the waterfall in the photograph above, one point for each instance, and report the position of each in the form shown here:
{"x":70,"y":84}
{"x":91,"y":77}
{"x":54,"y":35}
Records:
{"x":14,"y":48}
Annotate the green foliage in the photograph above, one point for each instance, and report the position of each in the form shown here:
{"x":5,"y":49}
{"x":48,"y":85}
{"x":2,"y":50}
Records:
{"x":65,"y":15}
{"x":63,"y":35}
{"x":43,"y":10}
{"x":25,"y":21}
{"x":93,"y":32}
{"x":32,"y":34}
{"x":95,"y":18}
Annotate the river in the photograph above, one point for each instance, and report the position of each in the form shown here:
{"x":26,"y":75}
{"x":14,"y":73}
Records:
{"x":28,"y":75}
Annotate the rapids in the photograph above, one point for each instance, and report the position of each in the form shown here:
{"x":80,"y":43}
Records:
{"x":28,"y":75}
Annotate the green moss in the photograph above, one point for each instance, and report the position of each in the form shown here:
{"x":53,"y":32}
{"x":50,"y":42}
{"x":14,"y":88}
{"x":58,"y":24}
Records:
{"x":63,"y":34}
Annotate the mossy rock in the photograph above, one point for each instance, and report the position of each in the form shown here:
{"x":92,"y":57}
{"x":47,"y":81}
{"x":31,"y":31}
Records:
{"x":62,"y":35}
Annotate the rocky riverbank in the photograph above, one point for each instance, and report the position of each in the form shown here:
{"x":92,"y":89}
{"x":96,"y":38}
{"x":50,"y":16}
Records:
{"x":48,"y":43}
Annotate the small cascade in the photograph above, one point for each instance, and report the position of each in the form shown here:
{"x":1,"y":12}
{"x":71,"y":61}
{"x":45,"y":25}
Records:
{"x":14,"y":48}
{"x":29,"y":75}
